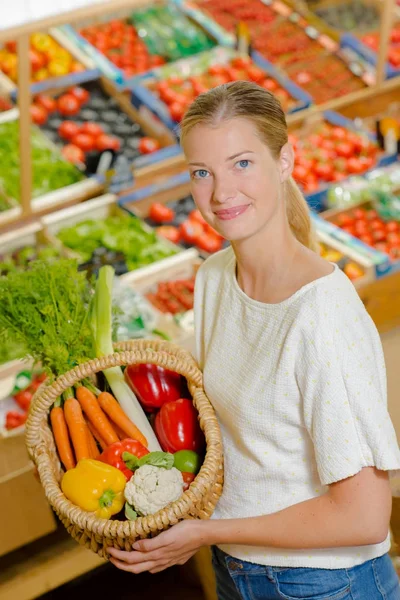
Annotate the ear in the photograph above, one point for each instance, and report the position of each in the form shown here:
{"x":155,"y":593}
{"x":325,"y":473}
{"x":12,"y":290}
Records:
{"x":286,"y":161}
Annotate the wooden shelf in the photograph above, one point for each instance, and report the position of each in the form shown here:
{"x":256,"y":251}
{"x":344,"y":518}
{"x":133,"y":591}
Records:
{"x":43,"y":566}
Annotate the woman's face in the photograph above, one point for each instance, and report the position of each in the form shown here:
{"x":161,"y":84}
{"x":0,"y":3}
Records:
{"x":235,"y":181}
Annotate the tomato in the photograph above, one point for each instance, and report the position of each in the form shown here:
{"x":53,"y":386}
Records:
{"x":68,"y":130}
{"x":349,"y":229}
{"x":37,"y":60}
{"x":209,"y":243}
{"x":393,"y":238}
{"x":23,"y":399}
{"x":169,"y":232}
{"x":80,"y":94}
{"x":93,"y":129}
{"x":361,"y":228}
{"x":38,"y":114}
{"x":345,"y":219}
{"x":191,"y":232}
{"x":68,"y":105}
{"x":394,"y":253}
{"x":11,"y":46}
{"x":107,"y":142}
{"x":338,"y":133}
{"x":344,"y":149}
{"x":47,"y":102}
{"x":217,"y":69}
{"x":84,"y":141}
{"x":382,"y":247}
{"x":300,"y":173}
{"x":160,"y":213}
{"x":360,"y":213}
{"x":367,"y":239}
{"x":392,"y":226}
{"x":177,"y":110}
{"x":355,"y":165}
{"x":379,"y":235}
{"x":147,"y":145}
{"x":377,"y":224}
{"x":324,"y":171}
{"x":371,"y":215}
{"x":241,"y":62}
{"x":196,"y":215}
{"x":187,"y":461}
{"x":73,"y":154}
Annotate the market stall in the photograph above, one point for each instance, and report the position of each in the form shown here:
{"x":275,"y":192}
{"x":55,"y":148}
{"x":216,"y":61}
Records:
{"x":91,"y":169}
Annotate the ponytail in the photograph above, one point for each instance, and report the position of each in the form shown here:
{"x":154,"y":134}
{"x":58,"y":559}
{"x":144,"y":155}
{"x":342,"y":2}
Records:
{"x":298,"y":215}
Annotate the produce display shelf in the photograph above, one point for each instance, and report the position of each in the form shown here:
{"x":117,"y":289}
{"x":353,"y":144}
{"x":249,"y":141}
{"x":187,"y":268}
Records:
{"x":145,"y":91}
{"x":87,"y":73}
{"x":118,"y":75}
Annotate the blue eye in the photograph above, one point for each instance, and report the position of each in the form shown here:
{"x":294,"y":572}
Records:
{"x":243,"y":163}
{"x":200,"y":174}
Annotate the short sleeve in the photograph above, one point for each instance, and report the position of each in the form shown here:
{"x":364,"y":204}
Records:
{"x":342,"y":380}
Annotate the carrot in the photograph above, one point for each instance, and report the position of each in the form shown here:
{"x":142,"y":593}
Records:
{"x":61,"y":436}
{"x":121,"y":434}
{"x":91,"y":408}
{"x":94,"y":451}
{"x":77,"y":428}
{"x":96,"y":436}
{"x":111,"y":407}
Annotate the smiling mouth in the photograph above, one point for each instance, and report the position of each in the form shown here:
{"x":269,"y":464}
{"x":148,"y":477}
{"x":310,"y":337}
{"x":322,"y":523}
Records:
{"x":231,"y":213}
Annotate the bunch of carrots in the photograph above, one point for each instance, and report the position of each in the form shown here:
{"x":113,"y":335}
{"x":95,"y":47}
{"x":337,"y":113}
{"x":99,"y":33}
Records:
{"x":85,"y":424}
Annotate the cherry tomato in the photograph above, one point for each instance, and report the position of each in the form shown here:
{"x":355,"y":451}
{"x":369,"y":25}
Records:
{"x":84,"y":141}
{"x":187,"y":480}
{"x":92,"y":129}
{"x":191,"y":232}
{"x":392,"y":226}
{"x":73,"y":154}
{"x":170,"y":233}
{"x":68,"y":105}
{"x":107,"y":142}
{"x":160,"y":213}
{"x":147,"y":145}
{"x":47,"y":102}
{"x":38,"y":114}
{"x":68,"y":130}
{"x":209,"y":243}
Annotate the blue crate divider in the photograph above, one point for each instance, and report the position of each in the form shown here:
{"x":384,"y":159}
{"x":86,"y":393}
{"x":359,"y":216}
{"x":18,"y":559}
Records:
{"x":150,"y":190}
{"x":60,"y":82}
{"x":316,"y":200}
{"x":142,"y":96}
{"x":155,"y":157}
{"x":348,"y":40}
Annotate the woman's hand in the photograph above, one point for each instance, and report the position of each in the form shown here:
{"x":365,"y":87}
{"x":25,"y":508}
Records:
{"x":172,"y":547}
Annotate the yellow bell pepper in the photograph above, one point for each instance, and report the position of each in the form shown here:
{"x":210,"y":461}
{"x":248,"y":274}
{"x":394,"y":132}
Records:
{"x":95,"y":487}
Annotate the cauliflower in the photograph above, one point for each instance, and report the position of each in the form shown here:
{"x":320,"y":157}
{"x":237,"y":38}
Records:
{"x":151,"y":488}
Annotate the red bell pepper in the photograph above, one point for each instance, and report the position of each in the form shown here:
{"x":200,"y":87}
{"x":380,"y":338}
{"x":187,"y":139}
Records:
{"x":113,"y":454}
{"x":154,"y":385}
{"x":177,"y":427}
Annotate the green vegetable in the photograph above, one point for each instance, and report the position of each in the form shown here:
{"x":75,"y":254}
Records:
{"x":155,"y":459}
{"x":130,"y":512}
{"x":50,"y":171}
{"x":125,"y":234}
{"x":45,"y":309}
{"x":187,"y":461}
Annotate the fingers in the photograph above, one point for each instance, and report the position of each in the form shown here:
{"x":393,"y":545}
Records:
{"x":135,"y":557}
{"x":151,"y":543}
{"x":136,"y":568}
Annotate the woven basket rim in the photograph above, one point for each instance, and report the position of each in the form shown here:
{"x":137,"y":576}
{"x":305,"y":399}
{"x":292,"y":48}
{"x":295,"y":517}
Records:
{"x":42,"y":450}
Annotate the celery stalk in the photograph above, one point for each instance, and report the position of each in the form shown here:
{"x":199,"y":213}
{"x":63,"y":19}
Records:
{"x":101,"y":323}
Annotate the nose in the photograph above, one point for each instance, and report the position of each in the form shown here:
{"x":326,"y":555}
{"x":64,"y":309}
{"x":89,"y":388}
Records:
{"x":223,"y":190}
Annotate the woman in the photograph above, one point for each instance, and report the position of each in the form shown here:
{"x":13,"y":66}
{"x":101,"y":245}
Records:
{"x":294,"y":368}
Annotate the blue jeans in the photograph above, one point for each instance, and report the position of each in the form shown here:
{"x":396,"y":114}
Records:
{"x":239,"y":580}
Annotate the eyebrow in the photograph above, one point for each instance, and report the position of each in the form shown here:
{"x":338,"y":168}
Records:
{"x":201,"y":164}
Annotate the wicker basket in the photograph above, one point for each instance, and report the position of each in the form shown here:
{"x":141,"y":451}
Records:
{"x":197,"y":502}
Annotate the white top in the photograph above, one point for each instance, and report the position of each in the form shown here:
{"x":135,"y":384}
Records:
{"x":299,"y":389}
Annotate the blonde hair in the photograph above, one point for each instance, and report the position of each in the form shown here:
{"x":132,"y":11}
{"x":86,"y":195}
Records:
{"x":250,"y":101}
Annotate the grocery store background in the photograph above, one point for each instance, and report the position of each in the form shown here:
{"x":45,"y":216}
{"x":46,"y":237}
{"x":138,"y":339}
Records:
{"x":91,"y":95}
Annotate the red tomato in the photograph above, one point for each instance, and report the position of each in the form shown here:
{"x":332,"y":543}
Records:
{"x":355,"y":165}
{"x":47,"y":102}
{"x":107,"y":142}
{"x":392,"y":226}
{"x":209,"y":243}
{"x":360,"y":214}
{"x":393,"y":238}
{"x":270,"y":84}
{"x":241,"y":62}
{"x":191,"y":232}
{"x":361,"y":228}
{"x":37,"y":60}
{"x":73,"y":154}
{"x":38,"y":114}
{"x":349,"y":229}
{"x":196,"y":215}
{"x":68,"y":130}
{"x":338,"y":133}
{"x":84,"y":141}
{"x":371,"y":215}
{"x":23,"y":399}
{"x":170,"y":233}
{"x":160,"y":213}
{"x":345,"y":219}
{"x":344,"y":149}
{"x":255,"y":73}
{"x":177,"y":110}
{"x":379,"y":235}
{"x":377,"y":225}
{"x":68,"y":105}
{"x":92,"y":129}
{"x":147,"y":145}
{"x":367,"y":239}
{"x":382,"y":247}
{"x":324,"y":171}
{"x":300,"y":173}
{"x":187,"y":480}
